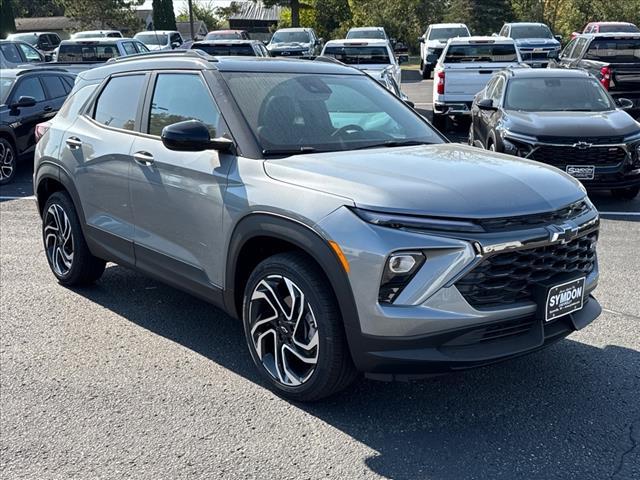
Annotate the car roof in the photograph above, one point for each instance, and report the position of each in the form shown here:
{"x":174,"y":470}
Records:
{"x":359,"y":29}
{"x":611,"y":35}
{"x":90,"y":40}
{"x":447,"y":25}
{"x":546,"y":73}
{"x":198,"y":60}
{"x":297,"y":29}
{"x":610,"y":23}
{"x":20,"y":71}
{"x":232,"y":41}
{"x":33,"y":33}
{"x":159,"y":31}
{"x":226,"y":31}
{"x":531,"y":24}
{"x":480,"y":39}
{"x":357,"y":42}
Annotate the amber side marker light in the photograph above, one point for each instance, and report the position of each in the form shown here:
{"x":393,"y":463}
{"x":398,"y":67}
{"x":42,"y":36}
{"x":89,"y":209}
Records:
{"x":343,"y":260}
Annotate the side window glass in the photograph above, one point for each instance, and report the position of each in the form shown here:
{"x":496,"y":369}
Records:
{"x":54,"y":40}
{"x":577,"y":51}
{"x":568,"y":50}
{"x":489,"y":88}
{"x":54,"y":86}
{"x":10,"y":53}
{"x":496,"y":94}
{"x":117,"y":105}
{"x":29,"y":87}
{"x":142,"y":48}
{"x":30,"y":53}
{"x":129,"y":48}
{"x":179,"y":97}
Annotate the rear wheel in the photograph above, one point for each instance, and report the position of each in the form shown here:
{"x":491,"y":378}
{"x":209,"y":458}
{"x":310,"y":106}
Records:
{"x":8,"y":162}
{"x":67,"y":252}
{"x":425,"y":70}
{"x":626,"y":193}
{"x":440,"y":122}
{"x":294,"y":330}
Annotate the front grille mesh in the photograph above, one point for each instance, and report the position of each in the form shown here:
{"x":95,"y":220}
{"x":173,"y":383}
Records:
{"x":510,"y":277}
{"x":563,"y":156}
{"x":571,"y":140}
{"x":535,"y":220}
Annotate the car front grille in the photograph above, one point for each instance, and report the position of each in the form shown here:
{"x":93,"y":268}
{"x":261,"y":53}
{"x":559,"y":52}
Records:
{"x":563,"y":156}
{"x":531,"y":55}
{"x":535,"y":220}
{"x":572,"y":140}
{"x":286,"y":53}
{"x":493,"y":332}
{"x":510,"y":277}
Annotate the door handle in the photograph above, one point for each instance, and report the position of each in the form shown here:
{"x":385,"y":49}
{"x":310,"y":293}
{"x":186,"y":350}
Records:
{"x":48,"y":108}
{"x":74,"y":143}
{"x":143,"y":158}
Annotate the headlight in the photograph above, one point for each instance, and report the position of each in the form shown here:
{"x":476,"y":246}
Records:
{"x":416,"y":222}
{"x":399,"y":269}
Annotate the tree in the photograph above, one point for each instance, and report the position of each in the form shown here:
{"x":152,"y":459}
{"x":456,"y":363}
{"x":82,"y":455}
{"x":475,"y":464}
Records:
{"x":329,"y":15}
{"x":163,"y":15}
{"x":481,"y":16}
{"x":7,"y":18}
{"x":207,"y":13}
{"x":38,"y":8}
{"x":116,"y":14}
{"x":294,"y":5}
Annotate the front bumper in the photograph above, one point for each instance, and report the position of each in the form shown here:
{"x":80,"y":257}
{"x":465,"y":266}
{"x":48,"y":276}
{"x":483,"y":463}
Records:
{"x":456,"y":109}
{"x":467,"y":347}
{"x":431,"y":327}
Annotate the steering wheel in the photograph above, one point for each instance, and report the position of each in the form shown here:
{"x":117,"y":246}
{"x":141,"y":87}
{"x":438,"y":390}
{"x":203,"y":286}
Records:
{"x":347,"y":128}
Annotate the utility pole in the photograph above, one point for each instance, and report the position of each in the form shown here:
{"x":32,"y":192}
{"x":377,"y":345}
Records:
{"x":193,"y":36}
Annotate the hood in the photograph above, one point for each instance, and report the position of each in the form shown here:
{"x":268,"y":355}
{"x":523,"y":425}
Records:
{"x":571,"y":124}
{"x":448,"y":180}
{"x":537,"y":42}
{"x":436,"y":43}
{"x":289,"y":46}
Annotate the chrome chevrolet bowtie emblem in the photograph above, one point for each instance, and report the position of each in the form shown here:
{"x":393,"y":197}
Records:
{"x":563,"y":233}
{"x":582,"y":145}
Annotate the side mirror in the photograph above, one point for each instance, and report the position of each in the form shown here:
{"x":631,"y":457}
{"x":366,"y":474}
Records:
{"x":24,"y":102}
{"x":320,"y":41}
{"x":421,"y":39}
{"x":192,"y":136}
{"x":624,"y":103}
{"x":558,"y":37}
{"x":486,"y":104}
{"x":175,"y":44}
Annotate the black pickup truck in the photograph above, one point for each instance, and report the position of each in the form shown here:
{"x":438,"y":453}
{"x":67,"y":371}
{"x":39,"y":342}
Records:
{"x":613,"y":58}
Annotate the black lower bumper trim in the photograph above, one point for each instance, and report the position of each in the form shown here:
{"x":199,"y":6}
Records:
{"x":466,"y":348}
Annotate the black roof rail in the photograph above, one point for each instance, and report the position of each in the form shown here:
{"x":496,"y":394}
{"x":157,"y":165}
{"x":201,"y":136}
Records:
{"x":168,"y":53}
{"x":36,"y":68}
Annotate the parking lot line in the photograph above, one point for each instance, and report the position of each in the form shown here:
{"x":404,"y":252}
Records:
{"x":626,"y":214}
{"x":30,"y":197}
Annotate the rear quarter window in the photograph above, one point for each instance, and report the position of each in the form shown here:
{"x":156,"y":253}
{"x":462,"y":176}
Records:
{"x":481,"y":53}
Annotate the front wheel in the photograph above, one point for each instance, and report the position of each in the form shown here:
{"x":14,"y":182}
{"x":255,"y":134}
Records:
{"x":294,"y":330}
{"x":425,"y":70}
{"x":8,"y":159}
{"x":626,"y":193}
{"x":67,"y":252}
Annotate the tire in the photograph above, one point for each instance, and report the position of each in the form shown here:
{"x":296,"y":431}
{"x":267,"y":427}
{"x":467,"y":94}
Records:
{"x":493,"y":145}
{"x":318,"y":336}
{"x":425,"y":70}
{"x":440,"y":122}
{"x":626,"y":193}
{"x":8,"y":161}
{"x":65,"y":246}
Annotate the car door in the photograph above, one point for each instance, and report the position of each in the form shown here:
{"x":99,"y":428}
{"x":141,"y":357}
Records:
{"x":477,"y":119}
{"x":177,"y":197}
{"x":97,"y":148}
{"x":25,"y":119}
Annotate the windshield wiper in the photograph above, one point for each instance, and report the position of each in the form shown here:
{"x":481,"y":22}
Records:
{"x":287,"y":151}
{"x":394,"y":143}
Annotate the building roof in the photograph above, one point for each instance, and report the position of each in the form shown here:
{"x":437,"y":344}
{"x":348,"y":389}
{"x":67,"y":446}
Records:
{"x":256,"y":11}
{"x":36,"y":24}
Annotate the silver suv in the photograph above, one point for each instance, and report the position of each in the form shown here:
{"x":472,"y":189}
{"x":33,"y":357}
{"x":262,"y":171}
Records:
{"x":308,"y":201}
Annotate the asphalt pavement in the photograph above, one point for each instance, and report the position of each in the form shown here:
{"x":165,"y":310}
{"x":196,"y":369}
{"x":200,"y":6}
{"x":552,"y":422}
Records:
{"x":132,"y":379}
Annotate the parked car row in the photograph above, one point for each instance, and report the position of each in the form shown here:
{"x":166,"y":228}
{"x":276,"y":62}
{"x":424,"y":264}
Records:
{"x":343,"y":230}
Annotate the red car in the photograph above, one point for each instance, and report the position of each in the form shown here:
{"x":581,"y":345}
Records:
{"x":608,"y":27}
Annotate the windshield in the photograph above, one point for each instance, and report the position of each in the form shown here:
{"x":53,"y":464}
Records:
{"x":481,"y":53}
{"x":530,"y":31}
{"x":87,"y":53}
{"x":447,"y":33}
{"x":30,"y":38}
{"x":290,"y":37}
{"x":373,"y":33}
{"x":298,"y":113}
{"x":359,"y":55}
{"x":614,"y":50}
{"x":152,"y":38}
{"x":223,"y":36}
{"x":622,"y":28}
{"x":226,"y":50}
{"x":5,"y":87}
{"x":557,"y":95}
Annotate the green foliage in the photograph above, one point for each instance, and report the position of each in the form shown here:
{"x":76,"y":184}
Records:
{"x":294,"y":7}
{"x":307,"y":18}
{"x":330,"y":14}
{"x":483,"y":17}
{"x":7,"y":19}
{"x":116,"y":14}
{"x":38,"y":8}
{"x":208,"y":13}
{"x":163,"y":16}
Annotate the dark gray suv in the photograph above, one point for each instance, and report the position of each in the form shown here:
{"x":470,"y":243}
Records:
{"x":313,"y":204}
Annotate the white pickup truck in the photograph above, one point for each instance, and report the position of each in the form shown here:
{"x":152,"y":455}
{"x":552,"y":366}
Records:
{"x":464,"y":68}
{"x":433,"y":42}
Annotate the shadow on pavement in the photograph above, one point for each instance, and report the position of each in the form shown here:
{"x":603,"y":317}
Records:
{"x":411,"y":76}
{"x":565,"y":412}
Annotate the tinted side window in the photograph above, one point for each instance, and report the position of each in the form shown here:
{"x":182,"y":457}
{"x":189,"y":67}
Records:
{"x":577,"y":51}
{"x":54,"y":39}
{"x":54,"y":86}
{"x":117,"y":105}
{"x":175,"y":37}
{"x":179,"y":97}
{"x":10,"y":52}
{"x":29,"y":87}
{"x":30,"y":53}
{"x":129,"y":48}
{"x":68,"y":81}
